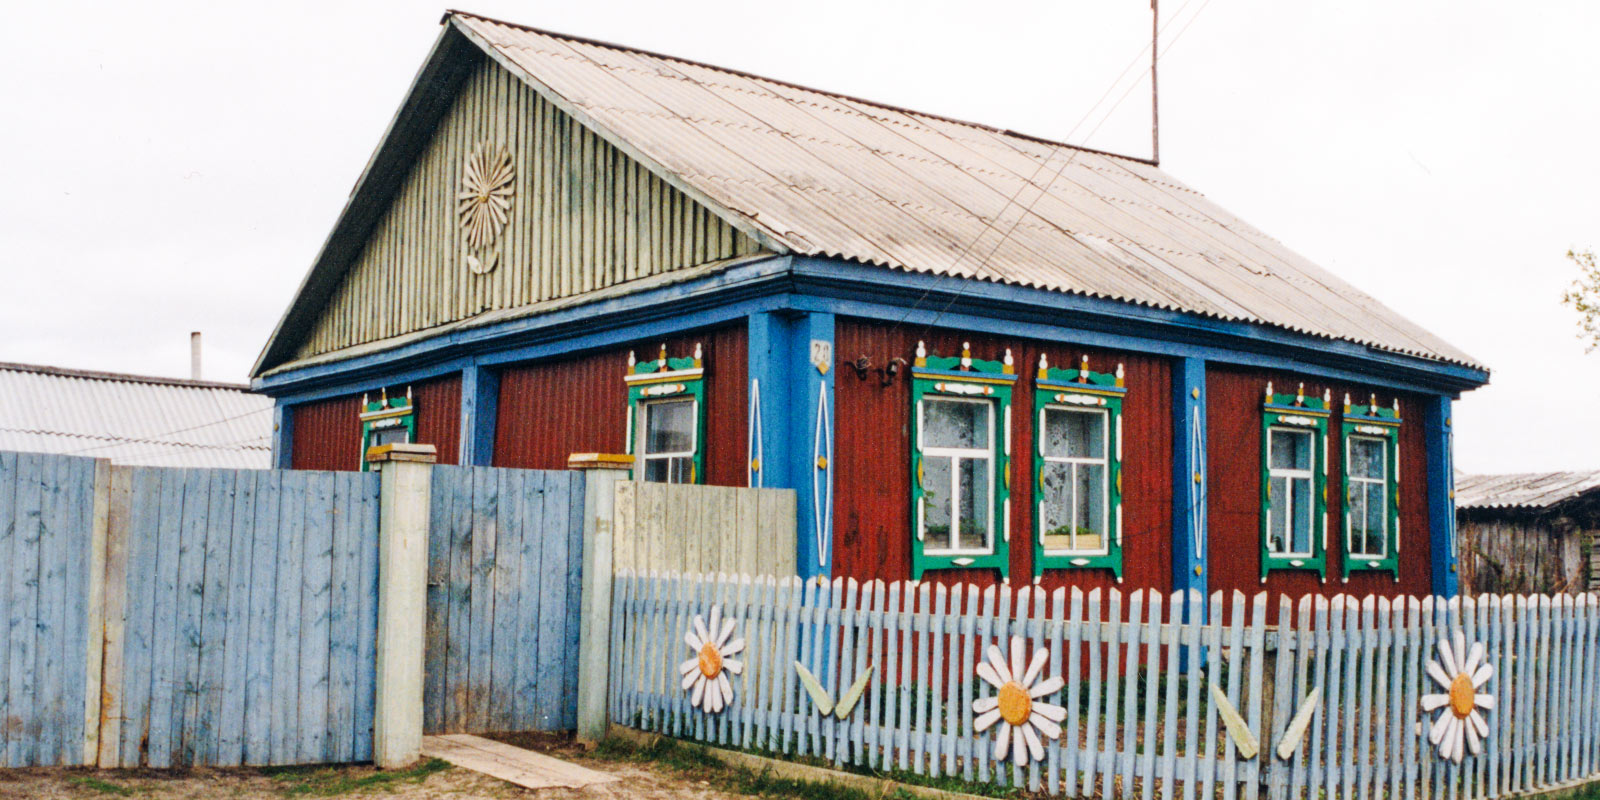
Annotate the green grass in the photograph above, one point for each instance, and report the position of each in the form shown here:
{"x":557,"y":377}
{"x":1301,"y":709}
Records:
{"x":694,"y":761}
{"x":99,"y":785}
{"x":325,"y":782}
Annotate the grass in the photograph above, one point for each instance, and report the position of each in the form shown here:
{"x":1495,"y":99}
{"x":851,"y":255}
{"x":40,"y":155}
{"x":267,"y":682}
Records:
{"x":325,"y":782}
{"x":693,"y":761}
{"x":102,"y":786}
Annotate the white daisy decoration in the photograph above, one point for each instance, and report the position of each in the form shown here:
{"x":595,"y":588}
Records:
{"x":705,"y":676}
{"x":1461,"y":673}
{"x":1016,"y":705}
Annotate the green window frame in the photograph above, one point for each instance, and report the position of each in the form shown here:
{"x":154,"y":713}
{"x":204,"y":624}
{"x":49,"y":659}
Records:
{"x":1370,"y":481}
{"x":1065,"y":393}
{"x":386,"y":421}
{"x":654,"y":386}
{"x":951,"y":383}
{"x":1285,"y":420}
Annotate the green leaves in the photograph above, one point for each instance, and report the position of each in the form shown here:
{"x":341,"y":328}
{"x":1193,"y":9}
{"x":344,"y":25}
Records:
{"x":824,"y":702}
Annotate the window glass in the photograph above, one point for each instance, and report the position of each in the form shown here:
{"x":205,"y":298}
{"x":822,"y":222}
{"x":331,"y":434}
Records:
{"x":1074,"y":480}
{"x":397,"y":435}
{"x":669,"y":427}
{"x":957,"y":474}
{"x":1302,"y":509}
{"x":1366,"y":497}
{"x":956,"y":424}
{"x":1278,"y":518}
{"x":937,"y":492}
{"x":1056,"y":524}
{"x":975,"y":507}
{"x":1090,"y":515}
{"x":1074,"y":433}
{"x":1291,"y":520}
{"x":1291,"y":450}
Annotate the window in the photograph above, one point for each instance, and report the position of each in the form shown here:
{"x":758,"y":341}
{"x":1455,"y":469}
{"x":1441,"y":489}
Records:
{"x":1078,"y":469}
{"x":1294,"y":456}
{"x":666,"y":418}
{"x":1371,"y":488}
{"x":959,"y":461}
{"x":387,"y":421}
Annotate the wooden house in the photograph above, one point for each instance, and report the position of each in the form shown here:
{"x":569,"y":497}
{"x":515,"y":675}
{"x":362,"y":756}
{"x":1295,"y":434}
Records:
{"x":1529,"y":533}
{"x":974,"y":354}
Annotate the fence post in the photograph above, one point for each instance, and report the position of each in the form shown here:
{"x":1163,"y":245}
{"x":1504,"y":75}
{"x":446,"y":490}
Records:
{"x":405,"y":471}
{"x":601,"y":473}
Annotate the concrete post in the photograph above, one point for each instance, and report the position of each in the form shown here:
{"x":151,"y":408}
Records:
{"x":406,"y":472}
{"x":602,"y":472}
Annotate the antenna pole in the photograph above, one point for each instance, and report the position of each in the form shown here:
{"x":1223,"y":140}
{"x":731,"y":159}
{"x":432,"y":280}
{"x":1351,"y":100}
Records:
{"x":1155,"y":102}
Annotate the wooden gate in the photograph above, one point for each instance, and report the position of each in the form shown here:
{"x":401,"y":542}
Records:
{"x":504,"y":579}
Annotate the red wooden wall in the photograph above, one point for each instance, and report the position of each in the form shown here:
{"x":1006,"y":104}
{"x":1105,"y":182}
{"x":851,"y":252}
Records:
{"x":1233,"y":440}
{"x":872,"y":481}
{"x":327,"y":433}
{"x":552,"y":409}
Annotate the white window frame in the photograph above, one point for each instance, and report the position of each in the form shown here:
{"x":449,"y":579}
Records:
{"x":1105,"y":485}
{"x":1308,"y":475}
{"x":642,"y":445}
{"x":1382,"y":481}
{"x":956,"y":455}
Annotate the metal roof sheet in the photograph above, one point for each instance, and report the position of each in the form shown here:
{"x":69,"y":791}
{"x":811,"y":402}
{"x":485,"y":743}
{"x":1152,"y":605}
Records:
{"x":132,"y":419}
{"x":830,"y":175}
{"x":1528,"y":490}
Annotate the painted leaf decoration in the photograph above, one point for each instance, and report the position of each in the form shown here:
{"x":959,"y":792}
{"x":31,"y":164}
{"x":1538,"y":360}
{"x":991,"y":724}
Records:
{"x":847,"y":703}
{"x":819,"y":695}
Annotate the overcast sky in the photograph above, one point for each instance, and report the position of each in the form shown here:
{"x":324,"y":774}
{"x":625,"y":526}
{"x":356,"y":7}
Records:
{"x":176,"y":166}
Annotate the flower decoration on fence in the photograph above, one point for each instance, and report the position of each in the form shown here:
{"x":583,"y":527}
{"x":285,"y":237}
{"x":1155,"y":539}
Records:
{"x":1461,"y":673}
{"x":1016,"y":705}
{"x":705,"y":676}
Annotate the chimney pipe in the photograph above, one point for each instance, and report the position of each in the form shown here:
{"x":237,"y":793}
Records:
{"x":194,"y":355}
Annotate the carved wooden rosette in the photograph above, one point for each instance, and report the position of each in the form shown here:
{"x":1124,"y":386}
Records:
{"x":483,"y":205}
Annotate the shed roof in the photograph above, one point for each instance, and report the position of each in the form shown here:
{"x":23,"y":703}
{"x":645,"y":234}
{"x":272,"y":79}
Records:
{"x":1526,"y":490}
{"x":817,"y":173}
{"x":134,"y":419}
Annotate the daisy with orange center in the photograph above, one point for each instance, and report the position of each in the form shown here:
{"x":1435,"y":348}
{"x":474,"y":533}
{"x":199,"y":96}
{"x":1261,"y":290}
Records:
{"x":705,"y":675}
{"x":1459,"y":727}
{"x":1024,"y":718}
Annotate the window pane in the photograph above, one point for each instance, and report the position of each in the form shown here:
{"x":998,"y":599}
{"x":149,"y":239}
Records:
{"x":668,"y":470}
{"x":1278,"y":519}
{"x":1291,"y":450}
{"x":936,"y":502}
{"x":1376,"y":519}
{"x":1366,"y":458}
{"x":1091,"y":506}
{"x":1057,"y":522}
{"x":974,"y":490}
{"x":952,"y":423}
{"x":1357,"y":498}
{"x":1302,"y":514}
{"x":390,"y":436}
{"x":669,"y":427}
{"x":1079,"y":434}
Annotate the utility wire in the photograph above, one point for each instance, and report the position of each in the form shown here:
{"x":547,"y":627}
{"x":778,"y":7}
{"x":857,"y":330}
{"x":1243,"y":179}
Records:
{"x":152,"y":439}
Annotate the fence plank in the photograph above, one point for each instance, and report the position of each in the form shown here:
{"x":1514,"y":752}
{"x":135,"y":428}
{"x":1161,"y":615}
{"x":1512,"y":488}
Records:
{"x":10,"y":594}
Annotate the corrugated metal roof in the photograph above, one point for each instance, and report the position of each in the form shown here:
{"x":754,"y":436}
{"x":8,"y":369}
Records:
{"x":1528,"y":490}
{"x":830,"y":175}
{"x":132,"y":419}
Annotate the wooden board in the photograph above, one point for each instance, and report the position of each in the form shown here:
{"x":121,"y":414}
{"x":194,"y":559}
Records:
{"x":512,"y":764}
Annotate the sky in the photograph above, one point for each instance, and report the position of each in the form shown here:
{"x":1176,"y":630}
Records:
{"x":173,"y":167}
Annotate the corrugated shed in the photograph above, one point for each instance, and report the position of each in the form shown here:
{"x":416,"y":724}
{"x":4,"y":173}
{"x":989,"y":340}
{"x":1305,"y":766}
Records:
{"x":132,"y":419}
{"x":1527,"y":490}
{"x":829,"y":175}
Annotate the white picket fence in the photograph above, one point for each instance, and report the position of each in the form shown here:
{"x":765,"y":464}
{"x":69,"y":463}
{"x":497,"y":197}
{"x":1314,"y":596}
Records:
{"x":1142,"y":715}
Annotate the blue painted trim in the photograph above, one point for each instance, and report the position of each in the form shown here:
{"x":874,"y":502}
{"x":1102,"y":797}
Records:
{"x":771,"y":340}
{"x":480,"y":400}
{"x":282,"y":435}
{"x":1438,"y":428}
{"x":1190,"y":565}
{"x":793,"y":396}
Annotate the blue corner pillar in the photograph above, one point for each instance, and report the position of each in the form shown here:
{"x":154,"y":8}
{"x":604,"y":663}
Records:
{"x":282,"y":435}
{"x":1438,"y":427}
{"x":1189,"y":568}
{"x":790,"y":421}
{"x":480,"y":400}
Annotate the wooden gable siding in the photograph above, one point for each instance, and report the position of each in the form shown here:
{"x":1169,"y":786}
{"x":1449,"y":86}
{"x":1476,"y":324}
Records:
{"x":1233,"y":500}
{"x":584,"y":216}
{"x":549,"y":410}
{"x":872,"y":459}
{"x":327,"y":433}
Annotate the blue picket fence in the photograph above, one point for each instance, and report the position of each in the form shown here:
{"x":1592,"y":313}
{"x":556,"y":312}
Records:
{"x":1176,"y":696}
{"x":504,"y":580}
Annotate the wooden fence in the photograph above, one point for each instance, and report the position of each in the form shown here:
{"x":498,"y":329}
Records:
{"x":1159,"y":695}
{"x":704,"y":529}
{"x":504,"y":578}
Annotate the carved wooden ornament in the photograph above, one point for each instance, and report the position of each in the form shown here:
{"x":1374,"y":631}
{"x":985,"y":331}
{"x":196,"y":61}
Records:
{"x":1024,"y":718}
{"x":1461,"y":673}
{"x":705,"y":674}
{"x":483,"y":205}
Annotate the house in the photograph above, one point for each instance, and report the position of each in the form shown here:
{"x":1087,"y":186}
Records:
{"x":1528,"y":533}
{"x":134,"y":419}
{"x":975,"y":355}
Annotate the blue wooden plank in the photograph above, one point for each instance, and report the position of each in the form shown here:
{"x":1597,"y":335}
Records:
{"x":138,"y":643}
{"x":366,"y":662}
{"x":574,"y":578}
{"x":261,"y":659}
{"x":509,"y":486}
{"x":205,"y":738}
{"x":230,"y":710}
{"x":23,"y":749}
{"x":8,"y":595}
{"x":53,"y":594}
{"x":553,"y":637}
{"x":480,"y":661}
{"x":286,"y":619}
{"x":531,"y":514}
{"x":189,"y":609}
{"x":163,"y":669}
{"x":458,"y":646}
{"x":79,"y":516}
{"x":315,"y":608}
{"x":436,"y":632}
{"x":343,"y":611}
